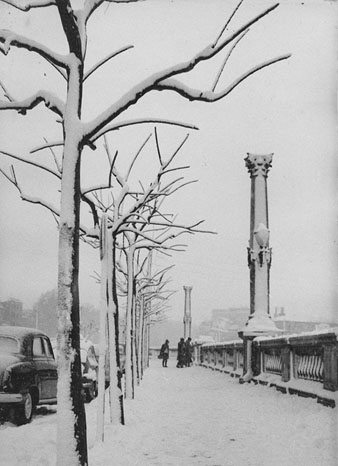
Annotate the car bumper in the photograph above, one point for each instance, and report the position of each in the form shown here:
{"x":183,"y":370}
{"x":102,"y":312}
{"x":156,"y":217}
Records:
{"x":87,"y":383}
{"x":11,"y":398}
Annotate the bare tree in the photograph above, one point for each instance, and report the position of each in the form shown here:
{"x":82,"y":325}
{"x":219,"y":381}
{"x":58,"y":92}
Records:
{"x":142,"y":213}
{"x":77,"y":135}
{"x":152,"y":296}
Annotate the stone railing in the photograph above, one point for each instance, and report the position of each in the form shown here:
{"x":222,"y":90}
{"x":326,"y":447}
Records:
{"x":225,"y":357}
{"x":305,"y":364}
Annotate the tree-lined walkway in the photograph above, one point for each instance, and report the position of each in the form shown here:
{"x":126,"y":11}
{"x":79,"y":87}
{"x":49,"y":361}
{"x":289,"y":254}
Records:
{"x":189,"y":417}
{"x":195,"y":416}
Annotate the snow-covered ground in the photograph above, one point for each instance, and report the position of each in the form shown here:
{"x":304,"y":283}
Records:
{"x":189,"y":417}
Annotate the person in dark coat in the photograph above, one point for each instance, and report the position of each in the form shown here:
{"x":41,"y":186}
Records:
{"x":188,"y":352}
{"x":181,"y":353}
{"x":164,"y":352}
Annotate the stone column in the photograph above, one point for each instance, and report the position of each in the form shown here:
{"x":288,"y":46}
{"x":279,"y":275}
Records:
{"x":187,"y":311}
{"x":259,"y":259}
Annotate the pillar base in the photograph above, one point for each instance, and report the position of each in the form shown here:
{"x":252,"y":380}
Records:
{"x":259,"y":324}
{"x":247,"y":359}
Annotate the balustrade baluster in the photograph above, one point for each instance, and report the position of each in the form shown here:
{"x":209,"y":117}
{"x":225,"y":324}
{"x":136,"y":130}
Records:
{"x":300,"y":368}
{"x":312,"y":367}
{"x":321,"y":370}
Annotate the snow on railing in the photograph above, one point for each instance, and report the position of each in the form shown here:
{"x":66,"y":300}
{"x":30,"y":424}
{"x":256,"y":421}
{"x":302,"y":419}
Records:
{"x":305,"y":364}
{"x":309,"y":367}
{"x":226,"y":357}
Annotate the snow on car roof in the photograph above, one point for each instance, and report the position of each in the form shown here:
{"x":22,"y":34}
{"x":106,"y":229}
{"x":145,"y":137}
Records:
{"x":18,"y":332}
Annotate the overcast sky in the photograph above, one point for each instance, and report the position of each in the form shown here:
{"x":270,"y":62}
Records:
{"x":288,"y":109}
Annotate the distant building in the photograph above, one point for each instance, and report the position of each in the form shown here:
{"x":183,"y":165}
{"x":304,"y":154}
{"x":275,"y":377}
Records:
{"x":225,"y":323}
{"x":296,"y":326}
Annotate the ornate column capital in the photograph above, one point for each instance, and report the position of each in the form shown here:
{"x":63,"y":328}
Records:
{"x":258,"y":164}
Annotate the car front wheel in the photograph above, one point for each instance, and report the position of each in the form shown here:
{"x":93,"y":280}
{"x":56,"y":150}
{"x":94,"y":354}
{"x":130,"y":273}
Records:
{"x":25,"y":411}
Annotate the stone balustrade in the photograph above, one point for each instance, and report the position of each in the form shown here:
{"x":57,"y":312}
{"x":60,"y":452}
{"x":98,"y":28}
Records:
{"x":305,"y":364}
{"x":225,"y":357}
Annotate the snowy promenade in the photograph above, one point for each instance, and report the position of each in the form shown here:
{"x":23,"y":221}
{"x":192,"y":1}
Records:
{"x":193,"y":416}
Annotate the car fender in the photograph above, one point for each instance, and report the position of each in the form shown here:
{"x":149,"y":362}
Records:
{"x":23,"y":375}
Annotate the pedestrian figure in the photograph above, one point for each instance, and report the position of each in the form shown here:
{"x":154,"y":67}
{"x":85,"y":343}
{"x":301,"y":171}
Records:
{"x":188,"y":352}
{"x":181,"y":353}
{"x":164,"y":353}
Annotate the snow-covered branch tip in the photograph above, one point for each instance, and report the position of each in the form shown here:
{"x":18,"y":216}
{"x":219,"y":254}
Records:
{"x":51,"y":101}
{"x":32,"y":162}
{"x":211,"y":96}
{"x":158,"y":150}
{"x":48,"y":145}
{"x":228,"y":22}
{"x":91,"y":5}
{"x":191,"y":229}
{"x":26,"y":6}
{"x":124,"y":124}
{"x":226,"y":59}
{"x":171,"y":158}
{"x":172,"y":191}
{"x":162,"y":80}
{"x":9,"y":38}
{"x":136,"y":156}
{"x":6,"y":93}
{"x":25,"y":197}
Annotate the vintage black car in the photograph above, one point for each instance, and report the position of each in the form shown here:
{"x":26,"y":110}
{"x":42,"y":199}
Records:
{"x":28,"y":372}
{"x":89,"y":369}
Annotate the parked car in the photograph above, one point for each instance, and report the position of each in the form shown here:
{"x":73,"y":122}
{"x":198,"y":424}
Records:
{"x":28,"y":372}
{"x":122,"y":349}
{"x":89,"y":354}
{"x":122,"y":360}
{"x":90,"y":367}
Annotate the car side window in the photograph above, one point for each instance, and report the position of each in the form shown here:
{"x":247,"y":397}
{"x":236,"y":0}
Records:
{"x":48,"y":348}
{"x":38,"y":349}
{"x":92,"y":358}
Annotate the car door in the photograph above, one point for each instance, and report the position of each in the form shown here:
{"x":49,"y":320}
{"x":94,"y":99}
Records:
{"x":51,"y":383}
{"x":46,"y":368}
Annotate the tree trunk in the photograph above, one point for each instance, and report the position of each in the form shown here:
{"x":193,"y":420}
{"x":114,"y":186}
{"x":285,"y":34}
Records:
{"x":117,"y":334}
{"x":71,"y":413}
{"x":140,"y":346}
{"x":148,"y":343}
{"x":133,"y":340}
{"x":129,"y":336}
{"x":103,"y":332}
{"x":114,"y":391}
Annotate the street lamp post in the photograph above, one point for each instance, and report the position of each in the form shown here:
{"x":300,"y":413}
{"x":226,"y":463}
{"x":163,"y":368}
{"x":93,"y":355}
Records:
{"x":259,"y":260}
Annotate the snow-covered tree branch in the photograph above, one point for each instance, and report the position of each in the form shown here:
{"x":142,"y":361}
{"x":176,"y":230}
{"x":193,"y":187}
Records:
{"x":212,"y":96}
{"x":51,"y":101}
{"x":9,"y":39}
{"x":27,"y":5}
{"x":155,"y":81}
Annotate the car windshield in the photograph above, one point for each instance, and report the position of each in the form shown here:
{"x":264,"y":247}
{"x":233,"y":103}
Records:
{"x":8,"y":345}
